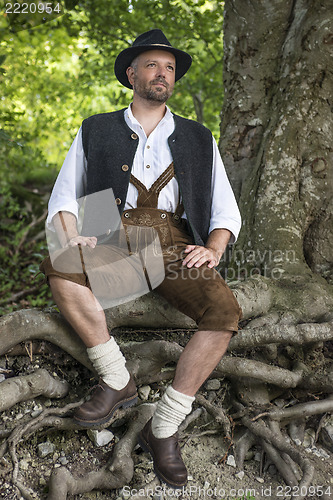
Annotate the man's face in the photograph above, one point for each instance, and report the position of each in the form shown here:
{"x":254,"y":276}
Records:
{"x":153,"y":75}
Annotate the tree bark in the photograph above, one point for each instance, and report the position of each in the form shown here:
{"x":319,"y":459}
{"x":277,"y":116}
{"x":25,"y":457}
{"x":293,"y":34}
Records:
{"x":276,"y":133}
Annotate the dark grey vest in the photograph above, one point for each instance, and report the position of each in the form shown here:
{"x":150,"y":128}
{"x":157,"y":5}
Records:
{"x":110,"y":145}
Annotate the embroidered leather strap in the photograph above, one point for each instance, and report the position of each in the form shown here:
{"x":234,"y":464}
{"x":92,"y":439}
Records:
{"x":149,"y":197}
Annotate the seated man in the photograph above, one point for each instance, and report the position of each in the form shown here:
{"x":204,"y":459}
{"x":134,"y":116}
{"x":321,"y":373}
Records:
{"x":166,"y":173}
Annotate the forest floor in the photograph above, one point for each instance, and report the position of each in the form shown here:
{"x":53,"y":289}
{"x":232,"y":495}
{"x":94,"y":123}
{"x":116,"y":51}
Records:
{"x":212,"y":473}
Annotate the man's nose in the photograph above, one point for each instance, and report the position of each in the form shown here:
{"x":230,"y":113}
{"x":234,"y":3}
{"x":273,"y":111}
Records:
{"x":161,"y":71}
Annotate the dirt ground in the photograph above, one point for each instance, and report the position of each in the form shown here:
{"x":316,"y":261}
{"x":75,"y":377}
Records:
{"x":212,"y":473}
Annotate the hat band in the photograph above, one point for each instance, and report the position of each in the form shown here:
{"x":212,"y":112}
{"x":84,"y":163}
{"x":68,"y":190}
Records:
{"x":161,"y":45}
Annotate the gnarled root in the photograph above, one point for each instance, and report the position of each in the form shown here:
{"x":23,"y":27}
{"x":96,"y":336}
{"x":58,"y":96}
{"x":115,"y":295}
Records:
{"x":14,"y":390}
{"x":118,"y":471}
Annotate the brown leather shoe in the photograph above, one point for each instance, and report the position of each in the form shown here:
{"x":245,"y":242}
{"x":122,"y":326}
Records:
{"x":104,"y":402}
{"x":168,"y":462}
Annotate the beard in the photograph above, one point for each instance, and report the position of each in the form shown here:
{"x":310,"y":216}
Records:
{"x":151,"y":92}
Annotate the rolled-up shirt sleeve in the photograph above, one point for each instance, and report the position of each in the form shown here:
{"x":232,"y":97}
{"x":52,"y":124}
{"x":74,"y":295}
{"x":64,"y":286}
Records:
{"x":70,"y":184}
{"x":225,"y":213}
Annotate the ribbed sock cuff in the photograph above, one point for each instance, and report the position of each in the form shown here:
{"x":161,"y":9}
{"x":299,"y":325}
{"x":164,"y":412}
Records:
{"x":171,"y":410}
{"x":109,"y":363}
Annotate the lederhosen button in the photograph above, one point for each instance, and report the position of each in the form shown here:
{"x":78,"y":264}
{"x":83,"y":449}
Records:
{"x":126,"y":214}
{"x":125,"y":168}
{"x":163,"y":216}
{"x":134,"y":136}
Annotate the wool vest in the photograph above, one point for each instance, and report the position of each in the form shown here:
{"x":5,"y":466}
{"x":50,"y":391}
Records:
{"x":110,"y":146}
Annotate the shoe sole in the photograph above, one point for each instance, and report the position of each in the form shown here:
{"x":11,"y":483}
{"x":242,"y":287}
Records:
{"x":122,"y":404}
{"x":145,"y":446}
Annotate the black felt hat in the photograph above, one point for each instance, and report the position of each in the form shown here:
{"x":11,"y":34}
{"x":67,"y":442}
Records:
{"x":151,"y":40}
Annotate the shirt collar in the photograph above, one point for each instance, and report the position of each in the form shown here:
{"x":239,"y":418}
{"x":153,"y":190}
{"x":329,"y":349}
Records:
{"x":133,"y":121}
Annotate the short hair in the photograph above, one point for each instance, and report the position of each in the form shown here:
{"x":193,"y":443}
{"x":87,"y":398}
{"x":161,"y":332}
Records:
{"x":134,"y":63}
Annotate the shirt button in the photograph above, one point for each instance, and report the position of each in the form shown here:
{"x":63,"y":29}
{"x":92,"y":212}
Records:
{"x":148,"y":147}
{"x":118,"y":201}
{"x":134,"y":136}
{"x":147,"y":166}
{"x":124,"y":168}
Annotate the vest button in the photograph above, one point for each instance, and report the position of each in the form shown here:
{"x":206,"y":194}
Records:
{"x":118,"y":201}
{"x":125,"y":168}
{"x":134,"y":136}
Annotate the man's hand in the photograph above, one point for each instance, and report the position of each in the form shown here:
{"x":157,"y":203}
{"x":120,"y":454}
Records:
{"x":211,"y":253}
{"x":85,"y":241}
{"x":198,"y":255}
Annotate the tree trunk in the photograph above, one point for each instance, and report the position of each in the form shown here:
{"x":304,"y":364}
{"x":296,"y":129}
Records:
{"x":276,"y":139}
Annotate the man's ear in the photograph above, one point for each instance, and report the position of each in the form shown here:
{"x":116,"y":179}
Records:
{"x":130,"y":74}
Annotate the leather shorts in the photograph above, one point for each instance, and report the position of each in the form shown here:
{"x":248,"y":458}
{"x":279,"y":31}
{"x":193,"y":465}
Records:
{"x":200,"y":293}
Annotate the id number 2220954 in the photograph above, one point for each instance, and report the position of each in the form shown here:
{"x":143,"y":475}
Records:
{"x":32,"y":7}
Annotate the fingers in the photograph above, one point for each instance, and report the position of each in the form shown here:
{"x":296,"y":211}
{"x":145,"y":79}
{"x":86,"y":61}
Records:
{"x":90,"y":241}
{"x":198,"y":255}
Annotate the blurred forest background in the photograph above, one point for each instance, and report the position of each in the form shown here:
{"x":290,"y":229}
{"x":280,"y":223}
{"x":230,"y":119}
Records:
{"x":56,"y":74}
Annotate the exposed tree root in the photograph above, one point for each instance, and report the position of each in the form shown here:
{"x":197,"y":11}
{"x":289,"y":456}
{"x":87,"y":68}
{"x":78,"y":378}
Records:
{"x":118,"y":471}
{"x":281,"y":444}
{"x":21,"y":388}
{"x":266,"y":366}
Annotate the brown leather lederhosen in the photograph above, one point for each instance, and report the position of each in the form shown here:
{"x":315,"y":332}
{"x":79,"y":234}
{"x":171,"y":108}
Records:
{"x":200,"y":293}
{"x":169,"y":226}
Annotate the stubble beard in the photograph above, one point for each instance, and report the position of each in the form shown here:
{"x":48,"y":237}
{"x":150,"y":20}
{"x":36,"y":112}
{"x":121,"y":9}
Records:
{"x":158,"y":95}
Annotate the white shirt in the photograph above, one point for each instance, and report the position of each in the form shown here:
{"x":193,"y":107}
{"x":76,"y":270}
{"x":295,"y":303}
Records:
{"x":152,"y":157}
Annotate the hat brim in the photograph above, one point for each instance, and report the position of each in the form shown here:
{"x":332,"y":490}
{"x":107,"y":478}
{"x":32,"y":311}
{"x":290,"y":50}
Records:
{"x":124,"y":59}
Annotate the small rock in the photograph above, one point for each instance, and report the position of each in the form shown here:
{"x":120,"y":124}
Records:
{"x":19,"y":416}
{"x":144,"y":392}
{"x":240,"y":475}
{"x":326,"y":434}
{"x":260,"y":480}
{"x":100,"y":438}
{"x":213,"y":385}
{"x":45,"y":449}
{"x":37,"y":410}
{"x":48,"y":403}
{"x":24,"y":464}
{"x":309,"y":437}
{"x":231,"y":461}
{"x":257,"y":456}
{"x":63,"y":460}
{"x":190,"y":478}
{"x":2,"y":377}
{"x":206,"y":485}
{"x":42,"y":482}
{"x":272,"y":470}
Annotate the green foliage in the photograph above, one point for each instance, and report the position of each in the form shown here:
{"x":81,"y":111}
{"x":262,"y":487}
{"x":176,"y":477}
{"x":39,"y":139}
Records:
{"x":22,"y":247}
{"x":55,"y":75}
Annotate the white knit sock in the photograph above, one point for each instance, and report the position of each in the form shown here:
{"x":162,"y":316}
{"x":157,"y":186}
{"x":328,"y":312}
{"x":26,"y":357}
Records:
{"x":109,"y":363}
{"x":171,"y":410}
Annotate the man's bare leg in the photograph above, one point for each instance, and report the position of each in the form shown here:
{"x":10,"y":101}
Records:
{"x":199,"y":358}
{"x":86,"y":316}
{"x":81,"y":309}
{"x":197,"y":361}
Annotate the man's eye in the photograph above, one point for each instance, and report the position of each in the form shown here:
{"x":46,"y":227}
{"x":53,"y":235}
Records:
{"x":171,"y":68}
